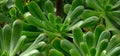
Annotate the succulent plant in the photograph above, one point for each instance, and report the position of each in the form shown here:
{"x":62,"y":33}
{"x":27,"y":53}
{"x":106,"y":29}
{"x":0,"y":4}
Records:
{"x":106,"y":10}
{"x":85,"y":44}
{"x":59,"y":28}
{"x":11,"y":41}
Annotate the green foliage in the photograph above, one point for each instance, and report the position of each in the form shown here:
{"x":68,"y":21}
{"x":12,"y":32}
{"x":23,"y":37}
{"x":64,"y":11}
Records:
{"x":34,"y":28}
{"x":11,"y":39}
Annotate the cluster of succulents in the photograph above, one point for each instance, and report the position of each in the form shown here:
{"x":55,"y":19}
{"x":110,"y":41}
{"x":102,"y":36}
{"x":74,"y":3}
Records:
{"x":59,"y":28}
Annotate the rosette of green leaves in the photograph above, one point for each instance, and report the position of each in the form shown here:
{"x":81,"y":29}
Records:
{"x":54,"y":26}
{"x":106,"y":10}
{"x":47,"y":21}
{"x":97,"y":43}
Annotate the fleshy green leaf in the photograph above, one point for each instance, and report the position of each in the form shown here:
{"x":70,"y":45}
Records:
{"x":89,"y":13}
{"x":32,"y":52}
{"x":84,"y":49}
{"x":33,"y":21}
{"x":49,"y":6}
{"x":102,"y":46}
{"x":95,"y":5}
{"x":51,"y":18}
{"x":35,"y":44}
{"x":18,"y":45}
{"x":16,"y":32}
{"x":114,"y":52}
{"x":73,"y":52}
{"x":19,"y":5}
{"x":6,"y":37}
{"x":116,"y":5}
{"x":76,"y":3}
{"x":77,"y":36}
{"x":91,"y":21}
{"x":66,"y":45}
{"x":54,"y":52}
{"x":114,"y":42}
{"x":89,"y":38}
{"x":98,"y":30}
{"x":67,"y":8}
{"x":103,"y":35}
{"x":93,"y":51}
{"x":56,"y":45}
{"x":36,"y":11}
{"x":74,"y":14}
